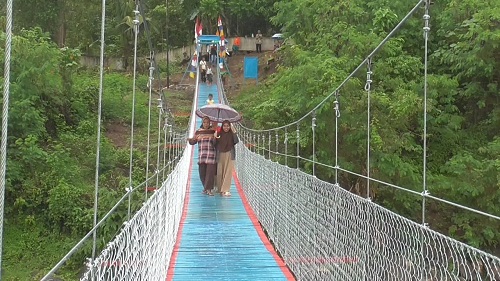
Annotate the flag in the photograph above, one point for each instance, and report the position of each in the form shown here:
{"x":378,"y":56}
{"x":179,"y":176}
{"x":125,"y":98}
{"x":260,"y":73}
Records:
{"x":198,"y":28}
{"x":222,"y":43}
{"x":220,"y":30}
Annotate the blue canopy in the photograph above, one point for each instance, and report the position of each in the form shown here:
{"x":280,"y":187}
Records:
{"x":208,"y":39}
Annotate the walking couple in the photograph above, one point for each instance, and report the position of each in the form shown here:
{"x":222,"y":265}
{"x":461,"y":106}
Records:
{"x":216,"y":154}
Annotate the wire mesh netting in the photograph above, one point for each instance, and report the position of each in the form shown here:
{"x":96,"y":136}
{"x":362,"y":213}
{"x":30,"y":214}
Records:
{"x":324,"y":232}
{"x":142,"y":250}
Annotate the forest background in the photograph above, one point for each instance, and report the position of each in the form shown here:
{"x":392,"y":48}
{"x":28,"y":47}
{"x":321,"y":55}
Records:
{"x":53,"y":108}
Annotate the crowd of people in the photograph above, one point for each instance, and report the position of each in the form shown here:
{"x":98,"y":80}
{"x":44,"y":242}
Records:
{"x":216,"y":154}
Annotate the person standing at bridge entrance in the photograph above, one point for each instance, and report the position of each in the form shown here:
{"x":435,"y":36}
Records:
{"x":236,"y":45}
{"x":205,"y":139}
{"x":258,"y":42}
{"x":213,"y":54}
{"x":226,"y":154}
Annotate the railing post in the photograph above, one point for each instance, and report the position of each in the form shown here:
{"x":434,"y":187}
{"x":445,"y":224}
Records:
{"x":245,"y":139}
{"x":164,"y":166}
{"x":298,"y":145}
{"x":269,"y":145}
{"x":337,"y":116}
{"x":259,"y":148}
{"x":286,"y":147}
{"x":368,"y":92}
{"x":170,"y":141}
{"x":313,"y":126}
{"x":158,"y":151}
{"x":277,"y":146}
{"x":255,"y":145}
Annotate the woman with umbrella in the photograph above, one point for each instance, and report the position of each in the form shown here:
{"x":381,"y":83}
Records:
{"x":226,"y":155}
{"x":205,"y":139}
{"x":225,"y":141}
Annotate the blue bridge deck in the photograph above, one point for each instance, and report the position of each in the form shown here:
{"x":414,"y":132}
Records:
{"x":220,"y":238}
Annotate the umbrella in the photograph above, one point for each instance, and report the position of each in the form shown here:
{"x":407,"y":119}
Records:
{"x":277,"y":36}
{"x":219,"y":112}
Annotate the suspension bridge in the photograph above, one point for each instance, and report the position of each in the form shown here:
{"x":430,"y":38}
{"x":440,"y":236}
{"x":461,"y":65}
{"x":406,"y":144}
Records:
{"x":281,"y":223}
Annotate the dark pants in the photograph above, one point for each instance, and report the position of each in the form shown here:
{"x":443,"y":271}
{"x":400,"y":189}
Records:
{"x":207,"y":175}
{"x":203,"y":75}
{"x":259,"y":48}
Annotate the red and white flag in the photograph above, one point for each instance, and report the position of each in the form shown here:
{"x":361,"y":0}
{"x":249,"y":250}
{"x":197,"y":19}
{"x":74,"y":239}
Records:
{"x":198,"y":28}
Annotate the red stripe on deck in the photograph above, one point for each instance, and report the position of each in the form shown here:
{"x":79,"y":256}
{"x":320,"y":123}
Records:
{"x":286,"y":271}
{"x":175,"y":252}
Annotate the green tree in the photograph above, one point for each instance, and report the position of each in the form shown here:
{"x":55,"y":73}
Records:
{"x":330,"y":38}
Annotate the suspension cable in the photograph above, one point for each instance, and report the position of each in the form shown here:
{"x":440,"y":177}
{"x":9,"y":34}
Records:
{"x":158,"y":148}
{"x":337,"y":116}
{"x":368,"y":123}
{"x":426,"y":51}
{"x":5,"y":115}
{"x":313,"y":127}
{"x":425,"y":192}
{"x":131,"y":163}
{"x":150,"y":82}
{"x":99,"y":121}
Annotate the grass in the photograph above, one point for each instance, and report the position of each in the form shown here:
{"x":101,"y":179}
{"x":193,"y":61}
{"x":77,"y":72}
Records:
{"x":30,"y":252}
{"x":181,"y":104}
{"x":179,"y":101}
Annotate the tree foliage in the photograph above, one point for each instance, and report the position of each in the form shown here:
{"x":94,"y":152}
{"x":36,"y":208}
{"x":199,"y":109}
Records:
{"x":330,"y":39}
{"x":76,"y":23}
{"x":52,"y":142}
